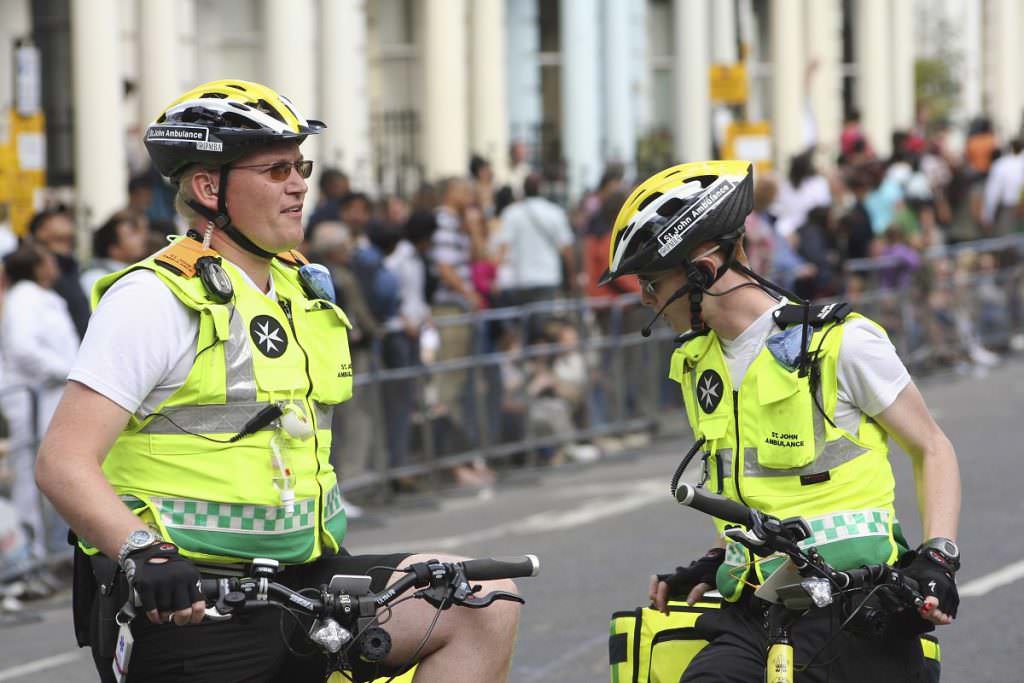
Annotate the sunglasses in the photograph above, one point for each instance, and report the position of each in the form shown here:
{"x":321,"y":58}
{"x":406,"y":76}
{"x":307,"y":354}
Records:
{"x":649,"y":285}
{"x":280,"y":171}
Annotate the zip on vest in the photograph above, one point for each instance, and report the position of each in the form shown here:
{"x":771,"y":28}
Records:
{"x":286,"y":306}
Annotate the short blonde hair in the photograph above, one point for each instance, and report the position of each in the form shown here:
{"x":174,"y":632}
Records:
{"x":185,"y":194}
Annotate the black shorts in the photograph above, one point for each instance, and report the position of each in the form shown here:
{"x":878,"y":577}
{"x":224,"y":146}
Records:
{"x":252,"y":647}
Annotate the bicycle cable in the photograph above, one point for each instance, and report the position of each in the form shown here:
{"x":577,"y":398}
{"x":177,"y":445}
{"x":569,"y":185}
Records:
{"x":839,"y":631}
{"x":423,"y":642}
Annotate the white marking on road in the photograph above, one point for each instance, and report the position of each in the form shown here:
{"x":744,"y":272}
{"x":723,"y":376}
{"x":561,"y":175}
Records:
{"x":542,"y":673}
{"x":632,"y":497}
{"x":989,"y":582}
{"x":39,"y":665}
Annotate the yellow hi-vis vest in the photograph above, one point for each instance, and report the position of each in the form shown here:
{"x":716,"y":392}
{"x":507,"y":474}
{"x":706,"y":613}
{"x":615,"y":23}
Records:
{"x":217,"y":501}
{"x":769,"y":447}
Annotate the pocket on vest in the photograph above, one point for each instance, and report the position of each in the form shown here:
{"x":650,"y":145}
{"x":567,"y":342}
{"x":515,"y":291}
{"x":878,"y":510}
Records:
{"x":330,"y":362}
{"x":784,"y":431}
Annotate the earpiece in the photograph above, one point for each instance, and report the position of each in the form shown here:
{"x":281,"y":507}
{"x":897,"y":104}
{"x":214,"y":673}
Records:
{"x":701,"y":273}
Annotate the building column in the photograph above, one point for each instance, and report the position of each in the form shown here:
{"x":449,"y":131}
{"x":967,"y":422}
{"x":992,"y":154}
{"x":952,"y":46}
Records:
{"x":971,"y":75}
{"x":874,"y":72}
{"x":789,"y":101}
{"x":345,"y":97}
{"x":15,"y":22}
{"x":488,"y":112}
{"x":1006,"y":93}
{"x":443,"y":42}
{"x":691,"y":22}
{"x":159,"y":77}
{"x":523,"y":96}
{"x":901,"y":26}
{"x":617,"y":46}
{"x":101,"y":166}
{"x":289,"y":33}
{"x":824,"y":33}
{"x":581,"y":100}
{"x":640,"y":80}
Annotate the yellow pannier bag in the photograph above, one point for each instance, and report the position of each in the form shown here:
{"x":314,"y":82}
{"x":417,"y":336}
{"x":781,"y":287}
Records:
{"x":646,"y":646}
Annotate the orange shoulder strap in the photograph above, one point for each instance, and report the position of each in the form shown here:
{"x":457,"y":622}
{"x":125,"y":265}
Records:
{"x":182,"y":256}
{"x":293,"y":258}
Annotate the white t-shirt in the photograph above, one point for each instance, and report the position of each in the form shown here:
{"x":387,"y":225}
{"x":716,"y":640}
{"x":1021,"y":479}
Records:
{"x":870,"y":374}
{"x":141,"y":342}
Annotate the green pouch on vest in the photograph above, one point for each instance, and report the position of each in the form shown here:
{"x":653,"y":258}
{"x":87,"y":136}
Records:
{"x":646,"y":646}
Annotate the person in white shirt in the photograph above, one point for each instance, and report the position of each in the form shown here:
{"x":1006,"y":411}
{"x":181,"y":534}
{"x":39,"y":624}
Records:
{"x":534,"y":241}
{"x":1002,"y":192}
{"x":39,"y":342}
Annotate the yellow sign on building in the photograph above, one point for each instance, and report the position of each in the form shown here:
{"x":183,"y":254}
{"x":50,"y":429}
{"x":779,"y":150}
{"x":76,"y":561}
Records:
{"x":23,"y":168}
{"x":751,"y":140}
{"x":728,"y":83}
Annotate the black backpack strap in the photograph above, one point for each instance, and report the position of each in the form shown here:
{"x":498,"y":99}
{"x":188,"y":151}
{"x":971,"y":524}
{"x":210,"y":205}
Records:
{"x":820,"y":315}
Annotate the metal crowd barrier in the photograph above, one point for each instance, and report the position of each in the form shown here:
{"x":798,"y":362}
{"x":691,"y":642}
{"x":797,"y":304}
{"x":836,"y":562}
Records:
{"x":957,"y":302}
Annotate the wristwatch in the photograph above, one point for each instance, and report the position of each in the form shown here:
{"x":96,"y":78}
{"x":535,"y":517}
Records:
{"x":946,"y":549}
{"x":137,"y":540}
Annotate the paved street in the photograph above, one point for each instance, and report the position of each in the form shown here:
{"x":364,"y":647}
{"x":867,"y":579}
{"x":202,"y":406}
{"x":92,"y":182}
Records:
{"x":601,"y":530}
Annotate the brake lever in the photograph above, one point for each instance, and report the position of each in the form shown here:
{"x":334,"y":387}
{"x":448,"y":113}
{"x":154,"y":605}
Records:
{"x":749,"y":540}
{"x":477,"y":603}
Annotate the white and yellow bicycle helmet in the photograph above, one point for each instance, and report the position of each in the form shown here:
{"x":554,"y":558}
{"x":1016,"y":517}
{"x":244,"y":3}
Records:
{"x":218,"y":122}
{"x":673,"y":211}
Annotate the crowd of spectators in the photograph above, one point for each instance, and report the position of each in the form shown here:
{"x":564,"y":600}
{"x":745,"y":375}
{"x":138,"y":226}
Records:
{"x":416,"y":275}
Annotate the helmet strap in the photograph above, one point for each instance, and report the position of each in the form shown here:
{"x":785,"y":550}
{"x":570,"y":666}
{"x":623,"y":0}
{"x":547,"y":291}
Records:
{"x":220,"y":218}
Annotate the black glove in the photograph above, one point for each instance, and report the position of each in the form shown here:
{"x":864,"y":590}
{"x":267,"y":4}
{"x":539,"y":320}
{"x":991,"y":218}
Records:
{"x":163,"y":579}
{"x":703,"y":570}
{"x":934,"y":576}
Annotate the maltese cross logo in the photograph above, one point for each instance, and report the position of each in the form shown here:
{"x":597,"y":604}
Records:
{"x":269,"y":336}
{"x":709,"y":390}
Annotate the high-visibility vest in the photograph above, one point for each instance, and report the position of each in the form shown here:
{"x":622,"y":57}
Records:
{"x":218,"y":501}
{"x":769,"y":446}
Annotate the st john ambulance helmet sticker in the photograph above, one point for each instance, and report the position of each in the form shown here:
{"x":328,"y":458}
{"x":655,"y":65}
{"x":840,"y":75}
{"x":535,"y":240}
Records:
{"x":268,"y":335}
{"x":709,"y":390}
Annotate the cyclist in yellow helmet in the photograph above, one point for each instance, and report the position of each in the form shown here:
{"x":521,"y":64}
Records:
{"x":194,"y":432}
{"x":792,"y":406}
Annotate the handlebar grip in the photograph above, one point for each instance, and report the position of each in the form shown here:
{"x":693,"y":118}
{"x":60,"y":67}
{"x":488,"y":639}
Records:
{"x":210,"y":587}
{"x":501,"y":568}
{"x":713,"y":504}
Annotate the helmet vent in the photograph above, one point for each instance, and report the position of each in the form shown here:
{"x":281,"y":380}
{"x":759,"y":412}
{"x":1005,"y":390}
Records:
{"x":213,"y":95}
{"x":670,"y":207}
{"x":269,"y":110}
{"x":647,"y":200}
{"x":237,"y":87}
{"x":239,"y":105}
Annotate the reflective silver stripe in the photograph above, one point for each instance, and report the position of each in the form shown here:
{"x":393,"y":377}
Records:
{"x":324,"y":415}
{"x":724,"y":456}
{"x":241,"y":377}
{"x":834,"y":454}
{"x":209,"y":419}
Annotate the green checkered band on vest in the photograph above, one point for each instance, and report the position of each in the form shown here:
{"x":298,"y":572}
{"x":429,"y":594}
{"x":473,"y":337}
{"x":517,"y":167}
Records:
{"x":236,"y":517}
{"x":842,"y":525}
{"x":332,"y":502}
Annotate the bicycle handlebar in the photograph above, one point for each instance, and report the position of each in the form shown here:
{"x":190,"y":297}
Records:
{"x":501,"y":568}
{"x":714,"y":505}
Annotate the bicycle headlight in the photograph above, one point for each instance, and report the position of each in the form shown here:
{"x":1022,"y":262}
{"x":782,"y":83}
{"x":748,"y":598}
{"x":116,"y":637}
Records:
{"x":819,"y":590}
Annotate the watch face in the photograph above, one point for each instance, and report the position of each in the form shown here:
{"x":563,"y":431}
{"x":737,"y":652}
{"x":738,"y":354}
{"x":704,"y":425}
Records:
{"x":140,"y":538}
